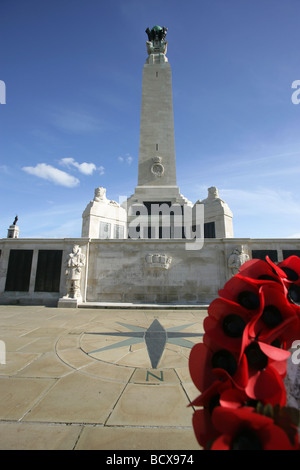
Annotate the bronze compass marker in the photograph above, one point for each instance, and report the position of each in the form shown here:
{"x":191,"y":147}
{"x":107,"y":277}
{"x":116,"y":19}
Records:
{"x":155,"y":337}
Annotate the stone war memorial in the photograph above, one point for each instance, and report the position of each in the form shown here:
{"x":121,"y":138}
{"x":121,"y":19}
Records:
{"x":109,"y":337}
{"x":156,"y":247}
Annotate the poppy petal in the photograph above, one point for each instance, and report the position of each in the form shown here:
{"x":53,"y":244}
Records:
{"x":274,"y":353}
{"x":264,"y":384}
{"x":199,"y":366}
{"x":232,"y":398}
{"x":203,"y":428}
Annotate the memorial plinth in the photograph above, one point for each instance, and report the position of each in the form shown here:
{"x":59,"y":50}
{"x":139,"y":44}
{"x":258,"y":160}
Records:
{"x":13,"y":231}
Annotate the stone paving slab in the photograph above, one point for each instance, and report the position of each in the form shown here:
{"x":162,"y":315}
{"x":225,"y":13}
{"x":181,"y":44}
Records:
{"x":36,"y":436}
{"x":85,"y":379}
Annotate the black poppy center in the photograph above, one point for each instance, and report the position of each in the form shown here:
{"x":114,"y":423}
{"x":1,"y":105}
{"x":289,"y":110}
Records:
{"x":214,"y":401}
{"x":256,"y":358}
{"x":246,"y":439}
{"x":233,"y":326}
{"x":271,"y":316}
{"x":294,"y":293}
{"x":248,"y":299}
{"x":291,"y":274}
{"x":267,"y":277}
{"x":276,"y":343}
{"x":224,"y":359}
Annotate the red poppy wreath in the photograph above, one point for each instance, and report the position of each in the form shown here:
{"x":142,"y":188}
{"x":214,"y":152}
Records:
{"x":241,"y":365}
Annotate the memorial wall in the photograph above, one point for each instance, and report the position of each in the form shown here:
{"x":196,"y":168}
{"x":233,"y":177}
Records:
{"x":34,"y":271}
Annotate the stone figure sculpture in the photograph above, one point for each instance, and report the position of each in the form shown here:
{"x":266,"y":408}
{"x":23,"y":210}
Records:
{"x":100,"y":194}
{"x":213,"y":193}
{"x":15,"y":221}
{"x":212,"y":196}
{"x":74,"y":263}
{"x":236,"y":259}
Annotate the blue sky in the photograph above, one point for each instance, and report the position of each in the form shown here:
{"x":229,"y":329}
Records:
{"x":73,"y":76}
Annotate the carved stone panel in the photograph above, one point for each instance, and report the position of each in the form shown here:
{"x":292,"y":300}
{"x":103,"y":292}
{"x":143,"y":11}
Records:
{"x":158,"y":260}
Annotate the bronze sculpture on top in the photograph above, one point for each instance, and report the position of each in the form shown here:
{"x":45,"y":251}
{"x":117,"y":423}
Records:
{"x":156,"y":43}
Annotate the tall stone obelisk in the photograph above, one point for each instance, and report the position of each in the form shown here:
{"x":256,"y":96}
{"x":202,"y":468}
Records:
{"x":157,"y":166}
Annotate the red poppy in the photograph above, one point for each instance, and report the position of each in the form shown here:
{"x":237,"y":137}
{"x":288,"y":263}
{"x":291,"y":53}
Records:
{"x":266,"y":386}
{"x":219,"y":393}
{"x":244,"y":429}
{"x":264,"y":365}
{"x":210,"y":397}
{"x":234,"y":398}
{"x":291,"y":268}
{"x":262,"y":270}
{"x":278,"y":322}
{"x":270,"y":324}
{"x":225,"y":324}
{"x":243,"y":291}
{"x":243,"y":358}
{"x":204,"y":430}
{"x":200,"y":366}
{"x":210,"y":363}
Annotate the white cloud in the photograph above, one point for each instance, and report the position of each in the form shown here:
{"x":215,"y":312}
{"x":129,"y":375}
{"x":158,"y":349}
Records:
{"x":85,"y":168}
{"x":56,"y":176}
{"x":128,"y":159}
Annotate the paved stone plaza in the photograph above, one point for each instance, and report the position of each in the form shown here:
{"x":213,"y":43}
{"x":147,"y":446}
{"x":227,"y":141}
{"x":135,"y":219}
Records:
{"x":110,"y":378}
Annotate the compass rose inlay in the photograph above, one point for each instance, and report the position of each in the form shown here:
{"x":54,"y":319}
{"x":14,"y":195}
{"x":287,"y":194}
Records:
{"x":155,"y":337}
